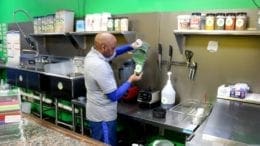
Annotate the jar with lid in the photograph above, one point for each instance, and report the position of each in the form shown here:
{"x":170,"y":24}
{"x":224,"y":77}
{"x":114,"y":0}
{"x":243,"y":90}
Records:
{"x":124,"y":24}
{"x":195,"y":21}
{"x":35,"y":24}
{"x":39,"y":22}
{"x":202,"y":21}
{"x":110,"y":24}
{"x":230,"y":21}
{"x":241,"y":21}
{"x":50,"y":23}
{"x":210,"y":21}
{"x":117,"y":24}
{"x":220,"y":21}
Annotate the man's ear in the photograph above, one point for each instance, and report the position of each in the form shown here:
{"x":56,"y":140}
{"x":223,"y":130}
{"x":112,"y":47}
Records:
{"x":103,"y":47}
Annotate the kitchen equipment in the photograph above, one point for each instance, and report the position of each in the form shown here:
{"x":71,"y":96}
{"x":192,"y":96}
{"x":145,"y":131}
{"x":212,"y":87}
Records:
{"x":60,"y":68}
{"x":131,"y":94}
{"x":126,"y":70}
{"x":148,"y":98}
{"x":159,"y":113}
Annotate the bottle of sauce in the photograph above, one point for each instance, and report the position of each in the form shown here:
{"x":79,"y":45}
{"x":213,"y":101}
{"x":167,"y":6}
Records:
{"x":241,"y":21}
{"x":230,"y":21}
{"x":210,"y":21}
{"x":220,"y":21}
{"x":195,"y":21}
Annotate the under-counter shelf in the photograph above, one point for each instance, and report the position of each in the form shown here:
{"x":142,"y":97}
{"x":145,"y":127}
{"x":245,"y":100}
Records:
{"x":78,"y":39}
{"x":180,"y":35}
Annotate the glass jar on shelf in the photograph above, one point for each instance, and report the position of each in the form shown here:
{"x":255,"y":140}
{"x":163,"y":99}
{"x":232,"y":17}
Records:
{"x":210,"y":21}
{"x":241,"y":21}
{"x":230,"y":21}
{"x":220,"y":21}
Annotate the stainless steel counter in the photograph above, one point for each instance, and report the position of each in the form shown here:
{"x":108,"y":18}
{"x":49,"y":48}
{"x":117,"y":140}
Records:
{"x":76,"y":76}
{"x":231,"y":123}
{"x":171,"y":121}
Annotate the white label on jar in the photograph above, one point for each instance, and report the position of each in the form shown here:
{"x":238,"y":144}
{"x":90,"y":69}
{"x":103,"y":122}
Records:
{"x":124,"y":24}
{"x":220,"y":22}
{"x":240,"y":22}
{"x":209,"y":22}
{"x":229,"y":21}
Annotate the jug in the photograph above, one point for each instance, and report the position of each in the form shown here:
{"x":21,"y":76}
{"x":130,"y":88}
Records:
{"x":126,"y":70}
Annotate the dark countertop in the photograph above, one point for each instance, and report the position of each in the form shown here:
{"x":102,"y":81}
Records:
{"x":231,"y":123}
{"x":76,"y":76}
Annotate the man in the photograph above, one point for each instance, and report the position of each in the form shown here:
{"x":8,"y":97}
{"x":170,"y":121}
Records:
{"x":102,"y":91}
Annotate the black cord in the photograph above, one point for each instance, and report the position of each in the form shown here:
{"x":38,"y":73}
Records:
{"x":255,"y":3}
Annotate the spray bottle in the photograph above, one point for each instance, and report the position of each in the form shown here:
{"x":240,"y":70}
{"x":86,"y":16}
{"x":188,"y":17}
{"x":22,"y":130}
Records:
{"x":168,"y":94}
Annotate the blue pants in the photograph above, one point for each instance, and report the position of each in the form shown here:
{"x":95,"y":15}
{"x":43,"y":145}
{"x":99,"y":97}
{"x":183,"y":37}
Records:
{"x":104,"y":131}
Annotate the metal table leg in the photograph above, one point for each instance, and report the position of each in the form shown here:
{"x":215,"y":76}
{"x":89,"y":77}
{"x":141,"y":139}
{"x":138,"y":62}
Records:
{"x":41,"y":108}
{"x":73,"y":117}
{"x":56,"y":111}
{"x":82,"y":121}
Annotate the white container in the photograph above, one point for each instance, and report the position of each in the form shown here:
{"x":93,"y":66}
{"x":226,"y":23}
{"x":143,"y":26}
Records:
{"x":89,"y":22}
{"x":124,"y":24}
{"x":168,"y":94}
{"x":80,"y":25}
{"x":64,"y":21}
{"x":183,"y":22}
{"x":26,"y":107}
{"x":104,"y":21}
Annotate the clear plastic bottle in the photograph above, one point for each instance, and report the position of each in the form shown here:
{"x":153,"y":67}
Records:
{"x":168,"y":94}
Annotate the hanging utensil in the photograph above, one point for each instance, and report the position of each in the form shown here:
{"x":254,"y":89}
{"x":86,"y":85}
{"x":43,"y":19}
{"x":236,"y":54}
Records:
{"x":188,"y":55}
{"x":170,"y":55}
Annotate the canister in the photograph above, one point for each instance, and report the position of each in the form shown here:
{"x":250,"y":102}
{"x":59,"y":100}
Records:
{"x":202,"y":21}
{"x":241,"y":21}
{"x":35,"y":24}
{"x":110,"y":24}
{"x":50,"y":22}
{"x":230,"y":21}
{"x":80,"y":25}
{"x":117,"y":24}
{"x":210,"y":21}
{"x":258,"y":20}
{"x":124,"y":24}
{"x":183,"y":22}
{"x":220,"y":21}
{"x":195,"y":21}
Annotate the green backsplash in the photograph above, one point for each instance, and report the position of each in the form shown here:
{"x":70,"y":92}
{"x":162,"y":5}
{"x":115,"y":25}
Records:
{"x":81,"y":7}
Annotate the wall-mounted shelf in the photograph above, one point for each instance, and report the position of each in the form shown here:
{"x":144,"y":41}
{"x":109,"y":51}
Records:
{"x":78,"y":39}
{"x":180,"y":35}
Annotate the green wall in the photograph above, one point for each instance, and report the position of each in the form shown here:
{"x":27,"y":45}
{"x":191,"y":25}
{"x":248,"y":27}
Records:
{"x":136,"y":6}
{"x":44,"y":7}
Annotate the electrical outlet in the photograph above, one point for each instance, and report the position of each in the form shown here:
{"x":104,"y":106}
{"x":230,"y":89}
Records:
{"x":212,"y":46}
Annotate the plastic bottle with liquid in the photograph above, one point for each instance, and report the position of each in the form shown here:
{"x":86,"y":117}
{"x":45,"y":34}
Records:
{"x":168,"y":94}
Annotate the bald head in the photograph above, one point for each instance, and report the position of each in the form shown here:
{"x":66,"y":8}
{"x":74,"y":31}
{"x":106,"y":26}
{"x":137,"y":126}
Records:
{"x":105,"y":43}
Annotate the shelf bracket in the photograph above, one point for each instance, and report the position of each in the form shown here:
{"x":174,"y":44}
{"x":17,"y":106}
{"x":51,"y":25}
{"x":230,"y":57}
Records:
{"x":180,"y":39}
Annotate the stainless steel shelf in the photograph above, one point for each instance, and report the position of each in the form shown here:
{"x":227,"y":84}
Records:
{"x":78,"y":39}
{"x":48,"y":34}
{"x":180,"y":35}
{"x":95,"y":32}
{"x":216,"y":32}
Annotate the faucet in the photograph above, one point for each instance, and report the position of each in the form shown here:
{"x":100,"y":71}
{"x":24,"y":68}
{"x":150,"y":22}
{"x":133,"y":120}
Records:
{"x":30,"y":41}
